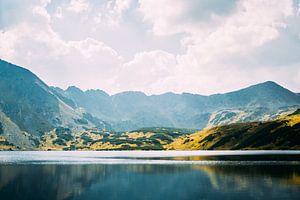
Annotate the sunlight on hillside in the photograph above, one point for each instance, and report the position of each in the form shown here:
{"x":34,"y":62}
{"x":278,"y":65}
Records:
{"x":292,"y":119}
{"x":277,"y":134}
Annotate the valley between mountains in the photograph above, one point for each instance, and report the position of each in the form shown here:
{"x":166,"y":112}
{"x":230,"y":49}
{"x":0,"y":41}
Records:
{"x":35,"y":116}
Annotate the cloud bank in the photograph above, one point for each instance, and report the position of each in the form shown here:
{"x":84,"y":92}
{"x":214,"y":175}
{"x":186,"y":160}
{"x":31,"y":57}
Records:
{"x":196,"y":46}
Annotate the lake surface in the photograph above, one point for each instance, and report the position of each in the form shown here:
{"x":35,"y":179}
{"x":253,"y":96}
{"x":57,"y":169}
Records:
{"x":150,"y":175}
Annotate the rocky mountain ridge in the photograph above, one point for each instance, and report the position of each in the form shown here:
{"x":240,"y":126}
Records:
{"x":132,"y":110}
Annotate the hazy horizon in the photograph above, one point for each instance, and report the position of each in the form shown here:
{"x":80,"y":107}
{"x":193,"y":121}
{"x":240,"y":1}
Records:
{"x":111,"y":94}
{"x":200,"y":47}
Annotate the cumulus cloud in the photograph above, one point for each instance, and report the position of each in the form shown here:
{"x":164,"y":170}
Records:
{"x":79,"y":6}
{"x":221,"y":52}
{"x":164,"y":18}
{"x":35,"y":45}
{"x":197,"y":46}
{"x":147,"y":70}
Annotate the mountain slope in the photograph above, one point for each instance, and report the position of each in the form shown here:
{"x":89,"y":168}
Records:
{"x":11,"y":136}
{"x":26,"y":100}
{"x":268,"y":94}
{"x":133,"y":110}
{"x":30,"y":106}
{"x":283,"y":133}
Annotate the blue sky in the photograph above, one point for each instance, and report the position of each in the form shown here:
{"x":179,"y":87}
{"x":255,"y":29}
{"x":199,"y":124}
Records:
{"x":198,"y":46}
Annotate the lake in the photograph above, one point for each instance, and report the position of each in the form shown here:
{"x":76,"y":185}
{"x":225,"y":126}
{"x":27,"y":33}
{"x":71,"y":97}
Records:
{"x":150,"y":175}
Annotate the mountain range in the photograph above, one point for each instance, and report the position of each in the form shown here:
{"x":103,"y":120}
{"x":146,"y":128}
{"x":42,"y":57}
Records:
{"x":133,"y":110}
{"x":30,"y":109}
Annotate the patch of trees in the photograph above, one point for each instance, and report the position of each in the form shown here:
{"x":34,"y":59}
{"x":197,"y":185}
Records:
{"x":60,"y":142}
{"x":1,"y":128}
{"x":81,"y":121}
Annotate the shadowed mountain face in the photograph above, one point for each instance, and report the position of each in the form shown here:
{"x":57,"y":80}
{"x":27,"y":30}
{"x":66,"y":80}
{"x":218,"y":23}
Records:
{"x":132,"y":110}
{"x":26,"y":100}
{"x":28,"y":105}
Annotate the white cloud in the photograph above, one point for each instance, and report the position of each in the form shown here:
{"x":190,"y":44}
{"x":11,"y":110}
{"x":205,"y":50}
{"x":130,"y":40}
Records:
{"x":214,"y":51}
{"x":225,"y":45}
{"x":164,"y":15}
{"x":88,"y":63}
{"x":78,"y":6}
{"x":119,"y":6}
{"x":58,"y":13}
{"x":147,"y":70}
{"x":33,"y":44}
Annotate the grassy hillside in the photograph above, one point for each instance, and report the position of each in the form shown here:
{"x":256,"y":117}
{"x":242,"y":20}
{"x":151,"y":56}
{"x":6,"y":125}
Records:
{"x":142,"y":139}
{"x":283,"y":133}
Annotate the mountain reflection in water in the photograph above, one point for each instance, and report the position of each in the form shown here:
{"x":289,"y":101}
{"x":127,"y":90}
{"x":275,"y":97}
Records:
{"x":144,"y":181}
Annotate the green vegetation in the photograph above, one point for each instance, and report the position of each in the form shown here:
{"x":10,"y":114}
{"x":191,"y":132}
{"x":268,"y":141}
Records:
{"x":1,"y":128}
{"x":81,"y":121}
{"x":166,"y":130}
{"x":62,"y":130}
{"x":5,"y":145}
{"x":60,"y":142}
{"x":142,"y":139}
{"x":283,"y":133}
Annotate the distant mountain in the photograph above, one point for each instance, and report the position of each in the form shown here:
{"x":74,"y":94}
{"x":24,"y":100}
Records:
{"x":133,"y":110}
{"x":268,"y":94}
{"x":29,"y":108}
{"x":282,"y":133}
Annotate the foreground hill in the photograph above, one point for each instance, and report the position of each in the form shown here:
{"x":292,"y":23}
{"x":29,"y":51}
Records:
{"x":133,"y":110}
{"x":283,"y":133}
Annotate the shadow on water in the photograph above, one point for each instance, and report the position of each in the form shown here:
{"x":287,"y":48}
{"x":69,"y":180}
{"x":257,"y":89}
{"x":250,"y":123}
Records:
{"x":78,"y":182}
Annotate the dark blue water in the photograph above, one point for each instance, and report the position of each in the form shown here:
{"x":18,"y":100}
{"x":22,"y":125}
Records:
{"x":149,"y":180}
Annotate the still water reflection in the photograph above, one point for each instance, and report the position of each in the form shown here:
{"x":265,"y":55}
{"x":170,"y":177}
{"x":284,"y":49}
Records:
{"x":146,"y":181}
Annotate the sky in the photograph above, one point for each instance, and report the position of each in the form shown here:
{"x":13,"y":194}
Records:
{"x":196,"y":46}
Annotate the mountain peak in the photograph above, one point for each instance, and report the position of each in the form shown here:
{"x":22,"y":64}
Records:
{"x":96,"y":92}
{"x":11,"y":70}
{"x":73,"y":89}
{"x":130,"y":93}
{"x":269,"y":84}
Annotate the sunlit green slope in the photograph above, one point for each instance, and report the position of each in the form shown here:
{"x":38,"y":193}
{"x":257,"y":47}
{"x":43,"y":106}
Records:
{"x":283,"y":133}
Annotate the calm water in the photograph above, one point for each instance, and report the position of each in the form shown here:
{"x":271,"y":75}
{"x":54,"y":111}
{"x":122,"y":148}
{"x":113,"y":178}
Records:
{"x":149,"y":175}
